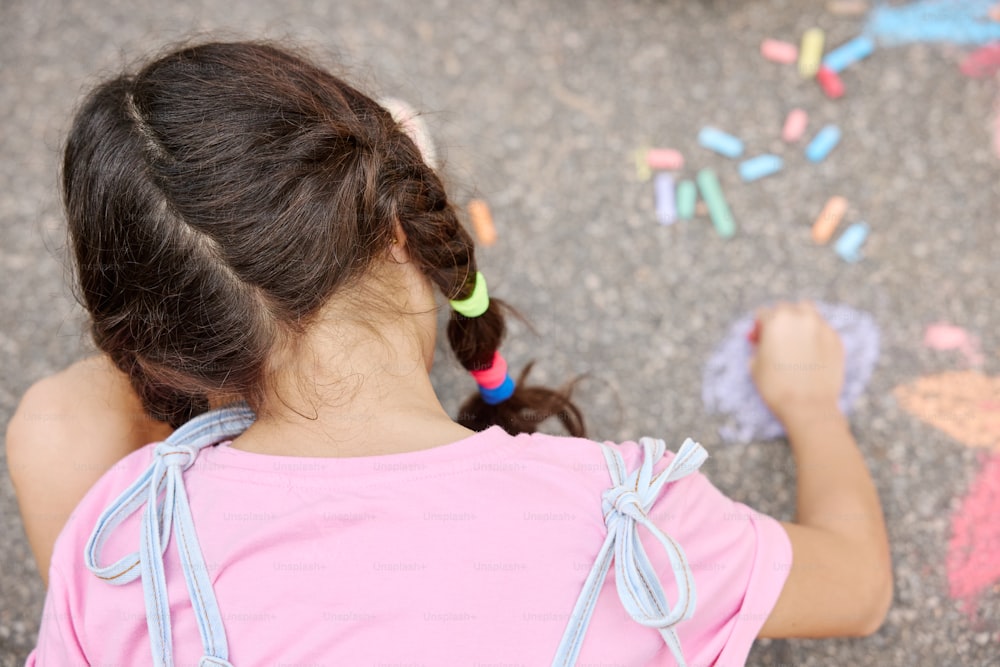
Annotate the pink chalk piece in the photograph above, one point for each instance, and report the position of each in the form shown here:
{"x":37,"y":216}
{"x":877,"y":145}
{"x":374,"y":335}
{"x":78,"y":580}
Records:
{"x":795,"y":125}
{"x":944,"y":336}
{"x":831,"y":84}
{"x":666,"y":159}
{"x":982,"y":63}
{"x":777,"y":51}
{"x":973,"y":560}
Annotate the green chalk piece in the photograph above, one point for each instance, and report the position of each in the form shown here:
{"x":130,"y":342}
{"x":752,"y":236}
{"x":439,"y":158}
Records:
{"x":687,"y":197}
{"x":711,"y":192}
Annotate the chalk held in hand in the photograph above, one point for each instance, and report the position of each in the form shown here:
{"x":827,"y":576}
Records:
{"x":663,"y":187}
{"x":758,"y":167}
{"x":811,"y":53}
{"x":722,"y":143}
{"x":831,"y":84}
{"x":795,"y":125}
{"x":828,"y":220}
{"x":824,"y":142}
{"x":779,"y":52}
{"x":718,"y":209}
{"x":667,"y":159}
{"x":849,"y":244}
{"x":687,"y":198}
{"x":482,"y":222}
{"x":849,"y":53}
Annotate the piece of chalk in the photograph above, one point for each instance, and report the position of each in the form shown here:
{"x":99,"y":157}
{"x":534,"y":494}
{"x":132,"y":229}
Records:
{"x":810,"y":53}
{"x":847,"y":7}
{"x":779,"y":52}
{"x":828,"y":219}
{"x":824,"y":142}
{"x":642,"y":171}
{"x":663,"y":187}
{"x":849,"y":53}
{"x":482,"y":222}
{"x":720,"y":142}
{"x":687,"y":198}
{"x":664,"y":158}
{"x":754,"y":336}
{"x":718,"y":209}
{"x":795,"y":125}
{"x":831,"y":84}
{"x":759,"y":167}
{"x":849,"y":244}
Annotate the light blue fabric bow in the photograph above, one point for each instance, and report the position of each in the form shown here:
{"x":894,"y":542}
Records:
{"x":165,"y":475}
{"x":625,"y":506}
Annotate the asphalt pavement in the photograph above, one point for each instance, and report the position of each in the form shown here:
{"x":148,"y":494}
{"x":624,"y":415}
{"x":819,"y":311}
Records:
{"x":537,"y":107}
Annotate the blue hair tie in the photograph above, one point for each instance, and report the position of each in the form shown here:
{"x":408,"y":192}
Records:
{"x":498,"y":394}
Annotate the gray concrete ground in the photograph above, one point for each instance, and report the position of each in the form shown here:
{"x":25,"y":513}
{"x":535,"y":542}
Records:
{"x":537,"y":106}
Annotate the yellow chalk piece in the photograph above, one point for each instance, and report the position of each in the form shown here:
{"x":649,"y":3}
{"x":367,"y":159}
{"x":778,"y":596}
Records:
{"x":810,"y":53}
{"x":642,"y":170}
{"x":482,"y":222}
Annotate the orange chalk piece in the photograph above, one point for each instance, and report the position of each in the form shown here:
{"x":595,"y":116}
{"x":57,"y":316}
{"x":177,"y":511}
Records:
{"x":847,"y":7}
{"x":828,"y":219}
{"x":666,"y":159}
{"x":795,"y":125}
{"x":482,"y":222}
{"x":830,"y":82}
{"x":777,"y":51}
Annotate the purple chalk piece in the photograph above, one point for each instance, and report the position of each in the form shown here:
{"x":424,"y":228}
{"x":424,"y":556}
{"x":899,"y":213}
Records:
{"x":727,"y":387}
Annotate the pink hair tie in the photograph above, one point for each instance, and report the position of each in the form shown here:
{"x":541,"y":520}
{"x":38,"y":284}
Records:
{"x":492,"y":377}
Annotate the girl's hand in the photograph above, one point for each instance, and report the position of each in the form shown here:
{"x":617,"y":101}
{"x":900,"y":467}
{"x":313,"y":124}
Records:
{"x":799,"y":363}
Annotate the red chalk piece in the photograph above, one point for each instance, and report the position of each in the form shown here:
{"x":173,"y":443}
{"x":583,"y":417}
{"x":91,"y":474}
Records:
{"x":754,"y":335}
{"x":830,"y":82}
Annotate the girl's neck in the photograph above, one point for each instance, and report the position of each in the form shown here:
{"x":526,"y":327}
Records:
{"x":350,"y":392}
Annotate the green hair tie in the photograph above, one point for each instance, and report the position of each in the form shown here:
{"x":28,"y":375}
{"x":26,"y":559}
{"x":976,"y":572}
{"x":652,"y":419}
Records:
{"x":476,"y":303}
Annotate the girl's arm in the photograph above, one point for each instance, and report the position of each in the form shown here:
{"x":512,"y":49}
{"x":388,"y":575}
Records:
{"x":68,"y":430}
{"x":840,"y":580}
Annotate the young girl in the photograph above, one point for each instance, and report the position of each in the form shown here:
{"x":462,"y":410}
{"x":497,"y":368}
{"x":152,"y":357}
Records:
{"x":258,"y":245}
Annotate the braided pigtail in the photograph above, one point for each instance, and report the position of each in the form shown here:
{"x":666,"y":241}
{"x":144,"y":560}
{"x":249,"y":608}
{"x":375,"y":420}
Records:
{"x":442,"y":247}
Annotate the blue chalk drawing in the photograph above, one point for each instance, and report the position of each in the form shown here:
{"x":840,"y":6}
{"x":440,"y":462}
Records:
{"x":955,"y":21}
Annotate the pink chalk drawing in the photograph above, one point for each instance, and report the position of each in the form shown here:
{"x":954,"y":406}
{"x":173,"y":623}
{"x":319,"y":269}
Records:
{"x":973,"y":560}
{"x":944,"y":336}
{"x":966,"y":406}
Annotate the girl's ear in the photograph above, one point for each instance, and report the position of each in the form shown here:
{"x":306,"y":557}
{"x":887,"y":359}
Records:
{"x":398,"y":249}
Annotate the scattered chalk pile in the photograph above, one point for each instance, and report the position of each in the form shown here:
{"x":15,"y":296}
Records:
{"x":677,"y":199}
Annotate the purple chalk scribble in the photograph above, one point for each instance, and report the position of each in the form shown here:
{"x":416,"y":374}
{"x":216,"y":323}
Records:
{"x":727,"y":387}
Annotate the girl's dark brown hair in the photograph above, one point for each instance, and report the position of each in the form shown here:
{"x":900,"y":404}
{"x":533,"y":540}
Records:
{"x":220,"y":196}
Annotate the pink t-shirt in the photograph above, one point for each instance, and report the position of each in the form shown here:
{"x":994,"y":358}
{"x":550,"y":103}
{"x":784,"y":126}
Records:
{"x":469,"y":553}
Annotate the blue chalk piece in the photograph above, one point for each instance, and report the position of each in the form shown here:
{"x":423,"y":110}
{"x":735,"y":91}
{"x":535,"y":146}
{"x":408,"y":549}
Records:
{"x":849,"y":53}
{"x":849,"y":244}
{"x":759,"y":167}
{"x":824,"y":142}
{"x":720,"y":142}
{"x":663,"y":186}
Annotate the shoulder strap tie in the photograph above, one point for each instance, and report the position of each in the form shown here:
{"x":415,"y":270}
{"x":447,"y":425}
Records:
{"x":625,"y":506}
{"x":165,"y":476}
